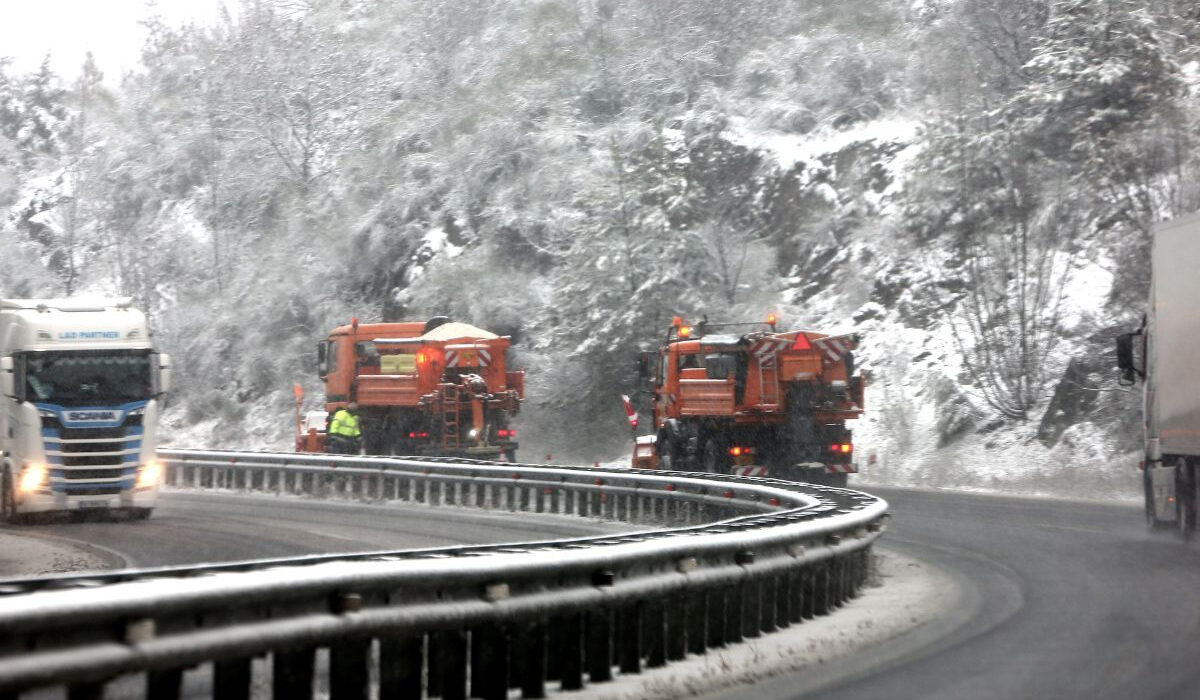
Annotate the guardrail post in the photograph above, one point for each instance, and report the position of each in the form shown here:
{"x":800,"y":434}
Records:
{"x":655,"y":620}
{"x":696,"y":610}
{"x":490,"y":649}
{"x":629,"y":638}
{"x":164,"y":684}
{"x":599,"y":645}
{"x":86,"y":691}
{"x":452,"y":664}
{"x":571,"y":646}
{"x":752,"y":597}
{"x":532,"y":659}
{"x":735,"y":597}
{"x":292,"y":674}
{"x":677,"y":628}
{"x":767,"y":602}
{"x":842,"y":576}
{"x":401,"y":660}
{"x":783,"y":601}
{"x":349,"y":665}
{"x":821,"y":581}
{"x":808,"y":593}
{"x":717,"y":601}
{"x":231,"y":679}
{"x":795,"y":597}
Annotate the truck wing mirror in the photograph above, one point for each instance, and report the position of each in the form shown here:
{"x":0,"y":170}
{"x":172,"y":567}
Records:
{"x":6,"y":377}
{"x":1125,"y":359}
{"x":645,"y":362}
{"x":164,"y":373}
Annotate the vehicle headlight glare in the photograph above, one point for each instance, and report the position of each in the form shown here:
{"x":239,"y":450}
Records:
{"x":150,"y":475}
{"x":33,"y":477}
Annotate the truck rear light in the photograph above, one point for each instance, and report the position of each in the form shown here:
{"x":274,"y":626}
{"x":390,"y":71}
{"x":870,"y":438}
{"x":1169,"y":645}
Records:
{"x":738,"y":451}
{"x":418,"y":434}
{"x":506,"y":433}
{"x":843,"y":447}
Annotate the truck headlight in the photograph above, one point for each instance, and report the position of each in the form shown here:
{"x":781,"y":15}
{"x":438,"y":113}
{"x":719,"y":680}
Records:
{"x":150,"y":475}
{"x":33,"y":477}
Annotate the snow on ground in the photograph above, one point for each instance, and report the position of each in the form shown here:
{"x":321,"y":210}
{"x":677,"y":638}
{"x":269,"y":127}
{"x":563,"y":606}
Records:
{"x":905,"y":595}
{"x":43,"y":555}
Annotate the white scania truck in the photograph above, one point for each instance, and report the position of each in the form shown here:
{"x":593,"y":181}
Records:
{"x":80,"y":389}
{"x":1165,"y":353}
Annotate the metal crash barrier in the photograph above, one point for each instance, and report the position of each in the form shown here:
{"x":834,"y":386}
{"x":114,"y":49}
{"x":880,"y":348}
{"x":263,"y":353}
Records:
{"x":721,"y":559}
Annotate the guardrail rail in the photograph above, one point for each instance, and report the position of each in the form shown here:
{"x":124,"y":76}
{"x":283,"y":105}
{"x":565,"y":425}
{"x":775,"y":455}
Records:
{"x":722,"y":558}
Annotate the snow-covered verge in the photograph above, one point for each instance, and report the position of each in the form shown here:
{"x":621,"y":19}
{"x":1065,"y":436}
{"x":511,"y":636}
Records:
{"x":41,"y":555}
{"x":904,"y":595}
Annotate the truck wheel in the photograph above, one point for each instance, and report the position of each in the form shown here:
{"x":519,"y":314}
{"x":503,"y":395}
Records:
{"x":713,"y":458}
{"x":668,"y":452}
{"x":1185,"y":501}
{"x":8,"y":508}
{"x":839,"y":479}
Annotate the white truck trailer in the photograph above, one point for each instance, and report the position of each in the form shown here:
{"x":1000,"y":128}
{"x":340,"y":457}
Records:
{"x":1165,"y":353}
{"x":81,"y":385}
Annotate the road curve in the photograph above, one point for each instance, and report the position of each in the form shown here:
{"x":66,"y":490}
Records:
{"x":194,"y":528}
{"x":1064,"y":600}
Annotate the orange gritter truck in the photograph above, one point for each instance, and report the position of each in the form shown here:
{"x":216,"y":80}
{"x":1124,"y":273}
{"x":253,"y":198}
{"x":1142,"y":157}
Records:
{"x":754,"y":402}
{"x":437,"y":388}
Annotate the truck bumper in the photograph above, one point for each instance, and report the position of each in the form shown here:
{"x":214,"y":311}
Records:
{"x":50,"y":502}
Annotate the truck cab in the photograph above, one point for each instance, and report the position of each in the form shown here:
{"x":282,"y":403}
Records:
{"x":81,"y":386}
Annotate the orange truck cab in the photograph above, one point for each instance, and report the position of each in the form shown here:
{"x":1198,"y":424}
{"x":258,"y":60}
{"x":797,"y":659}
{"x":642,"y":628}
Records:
{"x":424,"y":388}
{"x":756,"y":402}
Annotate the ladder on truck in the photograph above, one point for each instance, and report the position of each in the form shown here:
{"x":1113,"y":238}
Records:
{"x":450,"y":414}
{"x":768,"y":383}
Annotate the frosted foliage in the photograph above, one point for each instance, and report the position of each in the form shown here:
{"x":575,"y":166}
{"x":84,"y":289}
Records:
{"x":969,"y":184}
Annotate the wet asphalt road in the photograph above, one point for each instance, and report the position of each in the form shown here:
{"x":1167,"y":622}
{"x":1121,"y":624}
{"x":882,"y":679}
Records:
{"x":1065,"y":600}
{"x":192,"y":528}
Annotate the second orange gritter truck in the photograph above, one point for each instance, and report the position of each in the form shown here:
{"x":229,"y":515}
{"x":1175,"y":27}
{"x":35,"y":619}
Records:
{"x":754,"y":402}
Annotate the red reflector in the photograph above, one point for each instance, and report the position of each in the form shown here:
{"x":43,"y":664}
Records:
{"x":801,"y":343}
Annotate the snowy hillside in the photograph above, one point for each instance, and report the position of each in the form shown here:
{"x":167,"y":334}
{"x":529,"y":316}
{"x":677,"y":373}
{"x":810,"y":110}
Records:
{"x":970,"y":184}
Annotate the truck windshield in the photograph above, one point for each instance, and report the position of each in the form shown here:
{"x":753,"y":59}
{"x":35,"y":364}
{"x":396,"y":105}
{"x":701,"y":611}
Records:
{"x":88,"y":378}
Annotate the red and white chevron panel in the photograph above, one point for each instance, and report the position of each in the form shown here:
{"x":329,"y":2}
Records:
{"x":834,"y":348}
{"x":765,"y":349}
{"x":841,"y":469}
{"x":473,"y":357}
{"x":748,"y":471}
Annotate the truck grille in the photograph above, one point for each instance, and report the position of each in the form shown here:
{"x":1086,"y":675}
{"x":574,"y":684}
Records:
{"x":92,"y":461}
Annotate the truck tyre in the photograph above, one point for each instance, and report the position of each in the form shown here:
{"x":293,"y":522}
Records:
{"x":8,"y":507}
{"x":840,"y":479}
{"x":1185,"y":500}
{"x":1152,"y":521}
{"x":668,"y":451}
{"x":713,"y":458}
